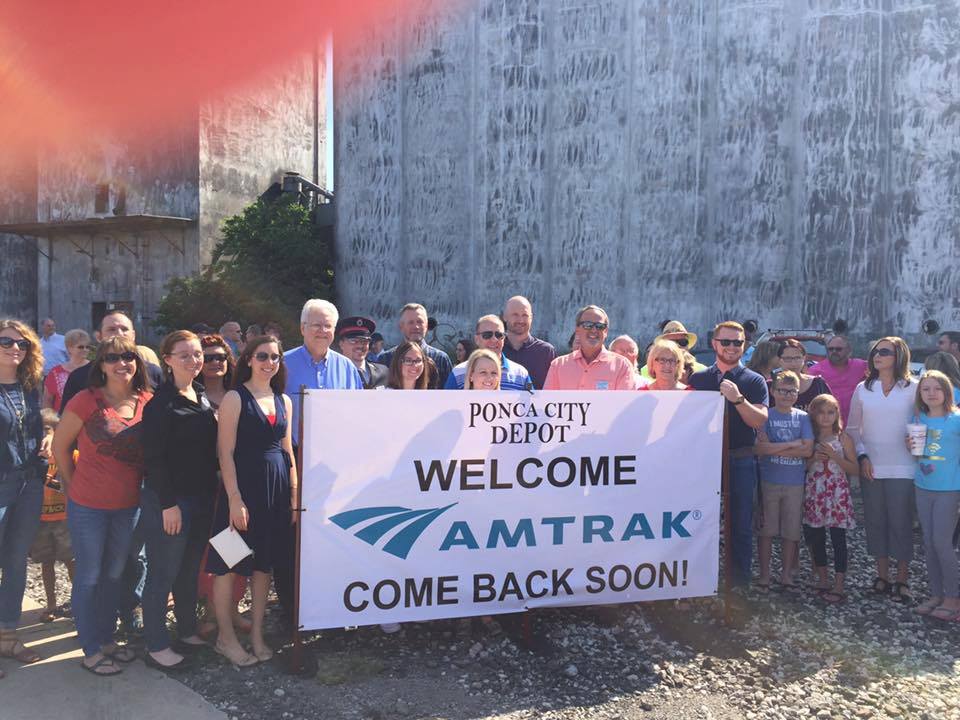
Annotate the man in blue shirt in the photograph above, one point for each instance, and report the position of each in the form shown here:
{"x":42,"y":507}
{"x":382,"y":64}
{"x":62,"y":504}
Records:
{"x":746,"y":394}
{"x":314,"y":364}
{"x":490,"y":335}
{"x":317,"y":367}
{"x":413,"y":327}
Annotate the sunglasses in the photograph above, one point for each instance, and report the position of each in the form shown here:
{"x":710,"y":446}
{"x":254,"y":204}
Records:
{"x":6,"y":343}
{"x":884,"y":352}
{"x":683,"y":342}
{"x":728,"y":343}
{"x":264,"y":356}
{"x":113,"y":358}
{"x":487,"y":334}
{"x":591,"y":325}
{"x":217,"y":358}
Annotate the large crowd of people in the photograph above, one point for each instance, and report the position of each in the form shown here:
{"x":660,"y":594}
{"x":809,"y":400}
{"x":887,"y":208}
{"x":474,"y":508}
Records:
{"x":123,"y":463}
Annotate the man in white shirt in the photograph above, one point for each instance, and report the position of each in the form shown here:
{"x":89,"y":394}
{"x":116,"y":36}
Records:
{"x":54,"y":348}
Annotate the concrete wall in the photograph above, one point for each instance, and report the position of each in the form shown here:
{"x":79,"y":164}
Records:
{"x":18,"y":263}
{"x":790,"y":161}
{"x":158,"y":173}
{"x":250,"y":137}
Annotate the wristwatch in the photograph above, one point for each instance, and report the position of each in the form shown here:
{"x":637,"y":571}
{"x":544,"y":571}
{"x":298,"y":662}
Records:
{"x":740,"y":400}
{"x":862,"y":456}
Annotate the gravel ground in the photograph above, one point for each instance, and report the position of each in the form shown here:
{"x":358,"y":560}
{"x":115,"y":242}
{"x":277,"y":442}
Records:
{"x":782,"y":656}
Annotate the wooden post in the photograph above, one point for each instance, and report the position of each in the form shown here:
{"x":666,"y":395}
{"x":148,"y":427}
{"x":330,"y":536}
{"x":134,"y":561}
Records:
{"x":297,"y":664}
{"x":727,"y":520}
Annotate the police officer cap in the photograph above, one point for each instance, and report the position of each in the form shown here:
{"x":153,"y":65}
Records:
{"x":356,"y":327}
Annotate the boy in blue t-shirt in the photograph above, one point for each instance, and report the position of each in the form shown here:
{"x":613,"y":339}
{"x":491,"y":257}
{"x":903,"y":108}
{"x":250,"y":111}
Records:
{"x":783,"y":445}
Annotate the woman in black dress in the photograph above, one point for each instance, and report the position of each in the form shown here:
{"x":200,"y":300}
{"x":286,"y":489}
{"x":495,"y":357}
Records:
{"x":259,"y":480}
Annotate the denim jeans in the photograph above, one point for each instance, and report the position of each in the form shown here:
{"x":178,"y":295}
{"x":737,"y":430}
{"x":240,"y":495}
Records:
{"x":21,"y":498}
{"x":101,"y":543}
{"x":743,"y":484}
{"x":173,"y":563}
{"x":133,"y":578}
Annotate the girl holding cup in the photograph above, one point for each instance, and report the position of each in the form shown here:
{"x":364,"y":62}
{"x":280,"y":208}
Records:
{"x":937,"y":481}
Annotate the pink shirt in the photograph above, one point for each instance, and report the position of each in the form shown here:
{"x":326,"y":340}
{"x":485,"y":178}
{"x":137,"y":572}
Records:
{"x":842,"y":382}
{"x":608,"y":371}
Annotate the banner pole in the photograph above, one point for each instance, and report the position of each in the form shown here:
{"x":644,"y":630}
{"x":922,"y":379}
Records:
{"x":727,"y":520}
{"x":297,"y":665}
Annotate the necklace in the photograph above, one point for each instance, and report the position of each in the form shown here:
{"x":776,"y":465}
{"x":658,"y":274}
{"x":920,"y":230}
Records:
{"x":19,"y":408}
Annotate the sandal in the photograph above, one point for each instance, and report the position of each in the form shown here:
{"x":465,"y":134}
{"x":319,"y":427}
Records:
{"x":12,"y":647}
{"x":945,"y":614}
{"x":762,"y":587}
{"x":927,"y":607}
{"x":48,"y":616}
{"x":880,"y":586}
{"x":791,"y":588}
{"x":244,"y":661}
{"x":103,"y":664}
{"x":121,"y":653}
{"x":901,"y":593}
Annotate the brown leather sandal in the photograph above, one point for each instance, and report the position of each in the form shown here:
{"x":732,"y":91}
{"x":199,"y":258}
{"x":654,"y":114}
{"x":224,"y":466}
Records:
{"x":12,"y":646}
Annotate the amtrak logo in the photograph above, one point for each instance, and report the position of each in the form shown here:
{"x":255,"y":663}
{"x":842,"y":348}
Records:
{"x":414,"y":522}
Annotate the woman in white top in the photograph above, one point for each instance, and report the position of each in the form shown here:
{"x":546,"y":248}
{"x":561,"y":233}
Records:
{"x":881,"y":407}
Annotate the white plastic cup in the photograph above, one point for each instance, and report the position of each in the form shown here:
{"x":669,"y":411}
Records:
{"x":918,"y":438}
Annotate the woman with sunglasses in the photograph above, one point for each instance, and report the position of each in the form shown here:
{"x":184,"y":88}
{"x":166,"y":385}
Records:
{"x":259,"y":487}
{"x":410,"y":368}
{"x":176,"y":504}
{"x":103,"y":492}
{"x":22,"y":472}
{"x":78,"y":345}
{"x":219,"y":366}
{"x":880,"y":409}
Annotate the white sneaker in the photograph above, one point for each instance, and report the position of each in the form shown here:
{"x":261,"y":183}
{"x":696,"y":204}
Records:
{"x":390,"y":628}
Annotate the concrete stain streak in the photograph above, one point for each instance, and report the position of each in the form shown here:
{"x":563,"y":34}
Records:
{"x":795,"y":162}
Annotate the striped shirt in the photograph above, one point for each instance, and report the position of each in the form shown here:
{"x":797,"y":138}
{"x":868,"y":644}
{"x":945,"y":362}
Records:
{"x":513,"y":376}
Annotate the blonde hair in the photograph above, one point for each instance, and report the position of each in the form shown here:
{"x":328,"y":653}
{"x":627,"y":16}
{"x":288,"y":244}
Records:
{"x":30,"y":371}
{"x":945,"y":386}
{"x":786,"y":376}
{"x":816,"y":405}
{"x":670,"y":347}
{"x":475,"y":357}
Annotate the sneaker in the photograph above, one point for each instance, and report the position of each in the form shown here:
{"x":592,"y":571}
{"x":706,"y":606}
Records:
{"x":390,"y":628}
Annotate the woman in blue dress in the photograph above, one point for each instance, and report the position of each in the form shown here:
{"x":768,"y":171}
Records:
{"x":259,"y":481}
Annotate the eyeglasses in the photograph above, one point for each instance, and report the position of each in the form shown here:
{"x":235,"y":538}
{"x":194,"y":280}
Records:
{"x":216,"y":357}
{"x":356,"y":340}
{"x":791,"y":358}
{"x":591,"y":325}
{"x":487,"y":334}
{"x":787,"y":391}
{"x":666,"y":361}
{"x":834,"y":349}
{"x":81,"y":347}
{"x":884,"y":352}
{"x":412,"y":361}
{"x":264,"y":356}
{"x":320,"y":326}
{"x":113,"y":358}
{"x":728,"y":343}
{"x":7,"y":342}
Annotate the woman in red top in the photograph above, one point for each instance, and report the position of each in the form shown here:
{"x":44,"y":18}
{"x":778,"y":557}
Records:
{"x":103,"y":492}
{"x":78,"y":344}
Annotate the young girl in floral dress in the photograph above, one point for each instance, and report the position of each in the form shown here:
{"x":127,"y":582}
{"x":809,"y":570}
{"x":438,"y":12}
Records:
{"x":827,"y":502}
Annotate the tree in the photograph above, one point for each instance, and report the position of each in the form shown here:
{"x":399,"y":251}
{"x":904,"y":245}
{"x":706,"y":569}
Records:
{"x":271,"y":259}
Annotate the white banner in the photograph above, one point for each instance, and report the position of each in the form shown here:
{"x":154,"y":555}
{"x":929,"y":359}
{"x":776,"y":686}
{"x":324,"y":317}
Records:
{"x":427,"y":505}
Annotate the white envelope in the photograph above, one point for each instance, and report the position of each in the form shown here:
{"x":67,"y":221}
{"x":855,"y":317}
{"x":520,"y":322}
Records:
{"x":231,"y":546}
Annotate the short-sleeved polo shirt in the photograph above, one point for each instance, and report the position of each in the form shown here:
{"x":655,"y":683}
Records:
{"x":607,"y":371}
{"x":512,"y":376}
{"x":751,"y":385}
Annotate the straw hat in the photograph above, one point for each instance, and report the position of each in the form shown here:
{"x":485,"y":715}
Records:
{"x":674,"y":330}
